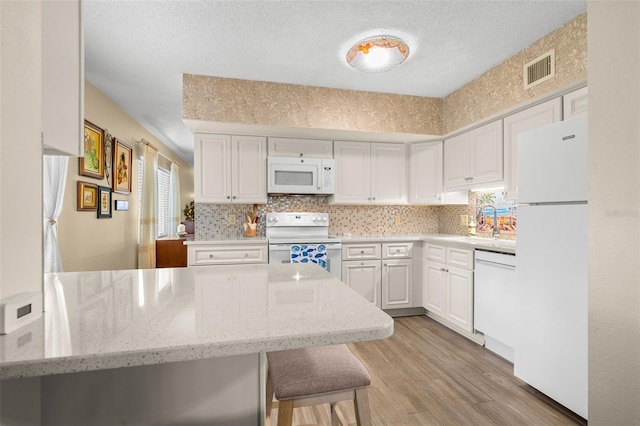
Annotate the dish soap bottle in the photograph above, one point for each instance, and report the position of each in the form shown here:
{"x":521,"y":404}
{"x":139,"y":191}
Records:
{"x":472,"y":227}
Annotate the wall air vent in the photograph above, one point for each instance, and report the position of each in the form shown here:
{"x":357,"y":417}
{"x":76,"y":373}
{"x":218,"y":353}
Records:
{"x":540,"y":69}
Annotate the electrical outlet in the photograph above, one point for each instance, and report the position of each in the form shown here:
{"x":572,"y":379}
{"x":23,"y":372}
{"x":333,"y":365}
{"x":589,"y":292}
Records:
{"x":232,"y":219}
{"x":398,"y":219}
{"x":464,"y":220}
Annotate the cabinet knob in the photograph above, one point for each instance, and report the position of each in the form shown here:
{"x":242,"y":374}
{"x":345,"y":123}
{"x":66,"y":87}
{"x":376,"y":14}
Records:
{"x":385,"y":265}
{"x":210,"y":256}
{"x":228,"y":197}
{"x":374,"y":198}
{"x":361,"y":251}
{"x":246,"y":255}
{"x":301,"y":154}
{"x":369,"y":198}
{"x":397,"y":250}
{"x":361,"y":263}
{"x":234,"y":197}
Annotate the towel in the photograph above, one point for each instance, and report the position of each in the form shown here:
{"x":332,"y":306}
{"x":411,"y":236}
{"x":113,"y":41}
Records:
{"x":309,"y":253}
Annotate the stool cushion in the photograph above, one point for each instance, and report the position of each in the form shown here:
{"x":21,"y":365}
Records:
{"x":301,"y":372}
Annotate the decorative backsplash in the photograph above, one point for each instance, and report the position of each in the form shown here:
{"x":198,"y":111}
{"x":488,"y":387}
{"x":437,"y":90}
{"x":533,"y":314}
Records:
{"x":212,"y":220}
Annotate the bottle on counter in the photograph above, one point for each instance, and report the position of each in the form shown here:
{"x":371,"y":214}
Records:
{"x":472,"y":227}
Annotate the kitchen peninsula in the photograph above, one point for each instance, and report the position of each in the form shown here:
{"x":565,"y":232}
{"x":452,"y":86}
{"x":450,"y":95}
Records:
{"x":175,"y":346}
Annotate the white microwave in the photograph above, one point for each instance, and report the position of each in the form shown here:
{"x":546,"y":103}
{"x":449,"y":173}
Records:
{"x":290,"y":175}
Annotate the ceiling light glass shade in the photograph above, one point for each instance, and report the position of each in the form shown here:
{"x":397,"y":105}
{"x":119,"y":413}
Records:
{"x":377,"y":54}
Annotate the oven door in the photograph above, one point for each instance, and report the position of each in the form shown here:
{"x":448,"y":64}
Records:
{"x":281,"y":253}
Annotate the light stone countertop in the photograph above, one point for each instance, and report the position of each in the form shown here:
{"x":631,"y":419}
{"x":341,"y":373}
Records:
{"x":500,"y":246}
{"x":112,"y":319}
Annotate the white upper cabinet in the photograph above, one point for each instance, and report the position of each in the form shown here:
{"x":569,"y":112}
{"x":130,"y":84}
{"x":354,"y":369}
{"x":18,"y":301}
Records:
{"x":63,"y":77}
{"x":230,"y":169}
{"x":575,"y":103}
{"x":370,"y":173}
{"x":474,"y":158}
{"x":532,"y":118}
{"x":425,"y":173}
{"x":309,"y":148}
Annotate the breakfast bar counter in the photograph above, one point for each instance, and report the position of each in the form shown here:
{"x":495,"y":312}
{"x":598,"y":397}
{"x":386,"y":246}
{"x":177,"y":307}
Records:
{"x":126,"y":320}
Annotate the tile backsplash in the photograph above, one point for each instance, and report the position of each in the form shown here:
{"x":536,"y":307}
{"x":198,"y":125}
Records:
{"x":212,"y":220}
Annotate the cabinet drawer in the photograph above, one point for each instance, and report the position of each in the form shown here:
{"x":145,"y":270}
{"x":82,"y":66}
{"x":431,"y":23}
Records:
{"x":397,"y":250}
{"x":462,"y":258}
{"x":225,"y":255}
{"x":360,"y":251}
{"x":435,"y":253}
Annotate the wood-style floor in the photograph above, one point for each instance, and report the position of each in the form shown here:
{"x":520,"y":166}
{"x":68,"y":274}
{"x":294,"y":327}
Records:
{"x":426,"y":374}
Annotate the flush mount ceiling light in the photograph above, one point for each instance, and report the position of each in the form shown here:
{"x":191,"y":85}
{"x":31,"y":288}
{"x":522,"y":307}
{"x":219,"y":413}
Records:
{"x":378,"y":54}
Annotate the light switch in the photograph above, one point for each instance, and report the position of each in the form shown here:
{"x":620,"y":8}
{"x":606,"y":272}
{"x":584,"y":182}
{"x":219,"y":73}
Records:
{"x":232,"y":219}
{"x":398,"y":219}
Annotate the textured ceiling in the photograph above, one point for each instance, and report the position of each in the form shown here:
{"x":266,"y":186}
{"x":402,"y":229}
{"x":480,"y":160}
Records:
{"x":137,"y":51}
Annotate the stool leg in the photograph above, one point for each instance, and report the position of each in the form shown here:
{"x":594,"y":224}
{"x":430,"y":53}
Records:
{"x":285,"y":413}
{"x":269,"y":399}
{"x":335,"y":420}
{"x":361,"y":404}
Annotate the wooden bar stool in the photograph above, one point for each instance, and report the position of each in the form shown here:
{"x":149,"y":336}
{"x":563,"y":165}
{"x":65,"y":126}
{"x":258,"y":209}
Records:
{"x":319,"y":375}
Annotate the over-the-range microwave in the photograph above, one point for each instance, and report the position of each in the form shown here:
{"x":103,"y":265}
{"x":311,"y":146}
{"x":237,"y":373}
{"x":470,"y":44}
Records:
{"x":291,"y":175}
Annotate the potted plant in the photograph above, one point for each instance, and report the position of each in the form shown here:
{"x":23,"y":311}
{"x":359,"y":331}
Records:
{"x":189,"y":217}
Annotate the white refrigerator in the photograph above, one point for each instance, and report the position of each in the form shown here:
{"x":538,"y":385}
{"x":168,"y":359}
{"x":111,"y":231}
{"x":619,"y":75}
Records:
{"x":551,"y":262}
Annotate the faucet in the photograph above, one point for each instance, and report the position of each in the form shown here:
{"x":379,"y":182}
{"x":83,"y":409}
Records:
{"x":496,"y":229}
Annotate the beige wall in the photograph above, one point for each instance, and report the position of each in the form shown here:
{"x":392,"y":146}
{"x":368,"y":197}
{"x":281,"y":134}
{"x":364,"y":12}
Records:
{"x":614,"y":246}
{"x":20,"y":149}
{"x":275,"y":104}
{"x":502,"y":87}
{"x":88,"y":243}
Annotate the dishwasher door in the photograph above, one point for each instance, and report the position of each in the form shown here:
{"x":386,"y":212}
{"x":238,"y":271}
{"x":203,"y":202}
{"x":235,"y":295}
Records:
{"x":495,"y":302}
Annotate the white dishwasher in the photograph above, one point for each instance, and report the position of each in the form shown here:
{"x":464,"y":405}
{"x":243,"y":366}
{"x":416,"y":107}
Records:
{"x":494,"y":301}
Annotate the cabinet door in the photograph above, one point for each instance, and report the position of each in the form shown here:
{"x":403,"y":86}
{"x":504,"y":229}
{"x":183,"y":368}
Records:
{"x":62,"y":78}
{"x":364,"y":277}
{"x":249,"y":169}
{"x":538,"y":116}
{"x":456,"y":161}
{"x":353,"y":172}
{"x":433,"y":289}
{"x":425,"y":173}
{"x":397,"y":277}
{"x":486,"y":153}
{"x":309,"y":148}
{"x":459,"y":298}
{"x":212,"y":162}
{"x":574,"y":103}
{"x":388,"y":173}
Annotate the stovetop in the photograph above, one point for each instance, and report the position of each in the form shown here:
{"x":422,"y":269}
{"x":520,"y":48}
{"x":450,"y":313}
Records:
{"x":299,"y":228}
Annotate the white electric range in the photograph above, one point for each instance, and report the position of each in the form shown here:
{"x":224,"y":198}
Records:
{"x":288,"y":232}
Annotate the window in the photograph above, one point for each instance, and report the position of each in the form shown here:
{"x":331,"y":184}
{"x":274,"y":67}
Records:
{"x":164,"y":215}
{"x":163,"y":201}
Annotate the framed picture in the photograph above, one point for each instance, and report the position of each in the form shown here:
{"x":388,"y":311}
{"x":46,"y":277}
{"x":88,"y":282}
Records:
{"x":104,"y":202}
{"x":122,"y":158}
{"x":87,"y":196}
{"x":92,"y":163}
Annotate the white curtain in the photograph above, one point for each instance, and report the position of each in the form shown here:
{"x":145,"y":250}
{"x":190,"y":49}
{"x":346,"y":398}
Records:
{"x":54,"y":181}
{"x":148,"y":209}
{"x":56,"y":334}
{"x":175,"y":213}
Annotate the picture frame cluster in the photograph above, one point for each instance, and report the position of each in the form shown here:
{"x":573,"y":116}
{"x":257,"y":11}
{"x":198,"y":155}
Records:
{"x":103,"y":156}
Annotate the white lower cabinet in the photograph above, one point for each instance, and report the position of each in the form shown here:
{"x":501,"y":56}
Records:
{"x":364,"y":276}
{"x":448,"y":285}
{"x":397,"y":278}
{"x":227,"y":254}
{"x":380,"y":272}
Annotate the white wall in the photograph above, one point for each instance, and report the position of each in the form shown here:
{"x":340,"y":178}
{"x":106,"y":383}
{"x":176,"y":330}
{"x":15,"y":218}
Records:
{"x":614,"y":190}
{"x":20,"y":149}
